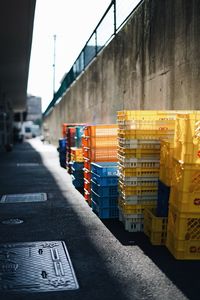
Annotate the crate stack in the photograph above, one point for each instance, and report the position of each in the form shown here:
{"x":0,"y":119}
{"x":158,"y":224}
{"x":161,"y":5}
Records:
{"x":99,"y":145}
{"x":165,"y":177}
{"x":155,"y":220}
{"x":139,"y":136}
{"x":62,"y":152}
{"x":104,"y":189}
{"x":77,"y":175}
{"x":71,"y":132}
{"x":183,"y":231}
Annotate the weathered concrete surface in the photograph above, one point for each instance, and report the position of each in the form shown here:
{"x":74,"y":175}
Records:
{"x":109,"y":262}
{"x":152,"y":63}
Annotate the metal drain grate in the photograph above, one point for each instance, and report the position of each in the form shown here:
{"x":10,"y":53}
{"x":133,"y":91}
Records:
{"x":15,"y":198}
{"x":36,"y":267}
{"x":27,"y":164}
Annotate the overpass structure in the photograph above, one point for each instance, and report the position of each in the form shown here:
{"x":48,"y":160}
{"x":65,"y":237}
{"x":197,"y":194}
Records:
{"x":16,"y":27}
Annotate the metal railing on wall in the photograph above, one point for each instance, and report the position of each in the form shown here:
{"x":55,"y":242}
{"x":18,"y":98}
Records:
{"x":113,"y":19}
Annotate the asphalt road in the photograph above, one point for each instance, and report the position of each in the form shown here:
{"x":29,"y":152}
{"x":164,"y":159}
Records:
{"x":109,"y":262}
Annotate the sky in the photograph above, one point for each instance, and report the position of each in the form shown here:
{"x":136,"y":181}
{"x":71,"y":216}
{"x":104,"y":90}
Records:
{"x":72,"y":22}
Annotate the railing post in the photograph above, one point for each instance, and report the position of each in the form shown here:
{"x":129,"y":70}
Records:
{"x":115,"y":18}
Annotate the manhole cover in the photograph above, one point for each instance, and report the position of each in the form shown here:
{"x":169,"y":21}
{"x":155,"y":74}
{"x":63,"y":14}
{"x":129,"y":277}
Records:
{"x":12,"y":222}
{"x":15,"y":198}
{"x":27,"y":164}
{"x":36,"y":267}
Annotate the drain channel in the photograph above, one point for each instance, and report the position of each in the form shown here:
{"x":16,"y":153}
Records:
{"x":36,"y":267}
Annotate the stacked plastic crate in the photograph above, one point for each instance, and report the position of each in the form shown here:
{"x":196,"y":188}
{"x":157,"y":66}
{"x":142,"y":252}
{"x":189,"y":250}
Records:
{"x":71,"y":132}
{"x":183,"y":231}
{"x":155,"y":220}
{"x":99,"y":145}
{"x":139,"y":137}
{"x":76,"y":167}
{"x":62,"y":152}
{"x":104,"y":189}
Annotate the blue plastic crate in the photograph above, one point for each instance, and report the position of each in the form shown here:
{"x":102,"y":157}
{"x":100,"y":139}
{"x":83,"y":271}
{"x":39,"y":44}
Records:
{"x":105,"y":168}
{"x":80,"y":189}
{"x":77,"y":165}
{"x":104,"y":180}
{"x":77,"y":172}
{"x":104,"y":202}
{"x":77,"y":182}
{"x":78,"y":176}
{"x":62,"y":143}
{"x":105,"y":212}
{"x":104,"y":191}
{"x":163,"y":199}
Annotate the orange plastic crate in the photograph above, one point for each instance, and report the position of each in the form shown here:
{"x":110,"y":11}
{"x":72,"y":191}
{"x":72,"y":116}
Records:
{"x":100,"y":154}
{"x":99,"y":142}
{"x":101,"y":130}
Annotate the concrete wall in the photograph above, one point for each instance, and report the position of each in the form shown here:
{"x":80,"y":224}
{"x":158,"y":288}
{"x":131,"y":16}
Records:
{"x":152,"y":63}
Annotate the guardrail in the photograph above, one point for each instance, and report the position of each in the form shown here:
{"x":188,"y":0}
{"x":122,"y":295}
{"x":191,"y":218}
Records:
{"x":113,"y":19}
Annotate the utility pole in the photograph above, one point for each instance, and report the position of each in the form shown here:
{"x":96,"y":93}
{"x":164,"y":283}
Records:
{"x":54,"y":64}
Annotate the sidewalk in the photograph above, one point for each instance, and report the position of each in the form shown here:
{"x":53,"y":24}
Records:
{"x":109,"y":262}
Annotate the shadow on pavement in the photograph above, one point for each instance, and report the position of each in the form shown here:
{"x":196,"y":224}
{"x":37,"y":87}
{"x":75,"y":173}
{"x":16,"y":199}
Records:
{"x":54,"y":219}
{"x":184,"y":274}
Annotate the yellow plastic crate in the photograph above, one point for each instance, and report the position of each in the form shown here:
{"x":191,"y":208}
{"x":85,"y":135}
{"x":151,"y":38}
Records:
{"x":186,"y":202}
{"x":139,"y":199}
{"x":145,"y":134}
{"x":135,"y":208}
{"x":187,"y":127}
{"x":138,"y":184}
{"x":186,"y":177}
{"x":187,"y":137}
{"x":138,"y":190}
{"x":185,"y":226}
{"x":147,"y":124}
{"x":183,"y":249}
{"x":137,"y":181}
{"x":166,"y":152}
{"x":166,"y":161}
{"x":143,"y":172}
{"x":138,"y":144}
{"x":76,"y":154}
{"x":187,"y":152}
{"x":139,"y":153}
{"x":155,"y":227}
{"x":138,"y":162}
{"x":165,"y":115}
